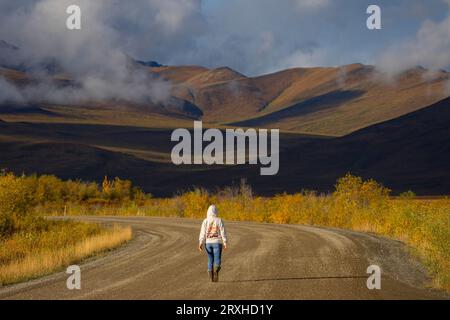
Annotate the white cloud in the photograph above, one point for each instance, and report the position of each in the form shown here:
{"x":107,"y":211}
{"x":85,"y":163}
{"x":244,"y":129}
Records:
{"x":430,"y":48}
{"x":94,"y":55}
{"x":251,"y":36}
{"x":267,"y":42}
{"x":172,"y":14}
{"x":312,"y":57}
{"x":9,"y":93}
{"x":312,"y":4}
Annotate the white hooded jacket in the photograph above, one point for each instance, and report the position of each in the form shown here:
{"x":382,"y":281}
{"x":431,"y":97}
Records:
{"x":213,"y":229}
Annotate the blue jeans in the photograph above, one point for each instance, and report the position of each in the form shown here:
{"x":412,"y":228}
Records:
{"x":214,"y":251}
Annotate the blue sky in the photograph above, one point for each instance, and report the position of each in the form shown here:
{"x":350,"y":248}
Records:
{"x":322,"y":32}
{"x":251,"y":36}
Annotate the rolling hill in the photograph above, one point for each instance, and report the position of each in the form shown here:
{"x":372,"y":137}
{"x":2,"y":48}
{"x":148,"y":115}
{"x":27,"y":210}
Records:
{"x":318,"y":101}
{"x":333,"y":121}
{"x":326,"y":101}
{"x":408,"y":153}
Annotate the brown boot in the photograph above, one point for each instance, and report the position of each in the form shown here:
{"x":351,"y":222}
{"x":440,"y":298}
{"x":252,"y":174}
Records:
{"x":216,"y":274}
{"x":211,"y":276}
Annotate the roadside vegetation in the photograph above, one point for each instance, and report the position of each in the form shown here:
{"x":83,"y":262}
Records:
{"x":32,"y":246}
{"x":356,"y":204}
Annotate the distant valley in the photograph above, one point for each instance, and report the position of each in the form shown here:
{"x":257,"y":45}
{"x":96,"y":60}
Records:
{"x":333,"y":121}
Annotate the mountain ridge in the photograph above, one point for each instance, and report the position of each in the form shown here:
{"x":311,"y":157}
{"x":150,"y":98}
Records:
{"x":332,"y":101}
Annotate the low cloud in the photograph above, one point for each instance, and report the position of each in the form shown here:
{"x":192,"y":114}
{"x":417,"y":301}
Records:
{"x":429,"y":48}
{"x":138,"y":88}
{"x":306,"y":58}
{"x":9,"y":92}
{"x":252,"y":37}
{"x":94,"y":56}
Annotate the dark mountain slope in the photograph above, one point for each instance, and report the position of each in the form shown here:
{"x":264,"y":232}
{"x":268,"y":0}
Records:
{"x":408,"y":153}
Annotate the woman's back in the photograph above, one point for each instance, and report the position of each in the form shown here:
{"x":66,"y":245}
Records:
{"x":213,"y":228}
{"x":213,"y":236}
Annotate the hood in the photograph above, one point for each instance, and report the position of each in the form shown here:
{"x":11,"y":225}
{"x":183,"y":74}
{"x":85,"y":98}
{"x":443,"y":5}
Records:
{"x":212,"y":211}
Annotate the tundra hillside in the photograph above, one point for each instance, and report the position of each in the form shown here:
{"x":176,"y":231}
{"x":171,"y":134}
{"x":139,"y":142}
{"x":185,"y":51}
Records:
{"x":422,"y":224}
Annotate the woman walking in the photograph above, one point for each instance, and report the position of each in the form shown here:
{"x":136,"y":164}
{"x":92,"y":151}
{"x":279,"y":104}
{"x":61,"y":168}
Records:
{"x":213,"y":237}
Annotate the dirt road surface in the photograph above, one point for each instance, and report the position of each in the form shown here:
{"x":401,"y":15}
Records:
{"x":264,"y":261}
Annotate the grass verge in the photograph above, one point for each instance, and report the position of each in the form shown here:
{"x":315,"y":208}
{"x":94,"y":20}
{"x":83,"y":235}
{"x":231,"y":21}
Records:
{"x":34,"y":253}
